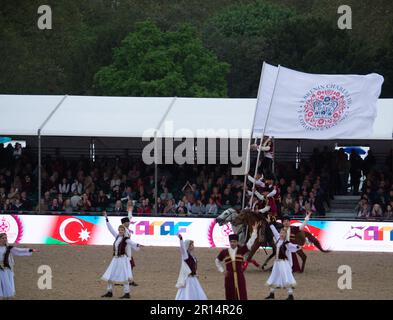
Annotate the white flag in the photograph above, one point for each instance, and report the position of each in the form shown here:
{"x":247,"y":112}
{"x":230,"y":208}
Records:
{"x":316,"y":106}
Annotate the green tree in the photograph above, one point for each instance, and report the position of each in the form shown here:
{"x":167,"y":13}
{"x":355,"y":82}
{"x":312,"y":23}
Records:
{"x":247,"y":35}
{"x":151,"y":62}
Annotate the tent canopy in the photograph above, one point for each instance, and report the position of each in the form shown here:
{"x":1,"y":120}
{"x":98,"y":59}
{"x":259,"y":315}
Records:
{"x":135,"y":117}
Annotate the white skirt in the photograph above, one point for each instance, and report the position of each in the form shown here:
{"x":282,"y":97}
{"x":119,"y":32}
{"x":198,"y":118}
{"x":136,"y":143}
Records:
{"x":119,"y":271}
{"x":192,"y":290}
{"x":7,"y":286}
{"x":281,"y":276}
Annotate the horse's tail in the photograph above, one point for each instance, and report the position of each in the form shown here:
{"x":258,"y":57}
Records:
{"x":315,"y":241}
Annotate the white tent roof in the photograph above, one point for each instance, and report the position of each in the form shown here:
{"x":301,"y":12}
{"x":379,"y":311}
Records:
{"x":23,"y":115}
{"x":134,"y":116}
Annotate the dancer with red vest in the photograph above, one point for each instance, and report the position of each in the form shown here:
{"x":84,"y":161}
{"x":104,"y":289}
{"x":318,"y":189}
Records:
{"x":233,"y":259}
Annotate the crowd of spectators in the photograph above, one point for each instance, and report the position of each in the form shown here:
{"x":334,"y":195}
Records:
{"x":114,"y":184}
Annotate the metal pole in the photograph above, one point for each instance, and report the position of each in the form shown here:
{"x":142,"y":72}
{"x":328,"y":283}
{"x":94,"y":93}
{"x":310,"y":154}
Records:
{"x":39,"y":171}
{"x":249,"y":143}
{"x":274,"y":155}
{"x":156,"y":154}
{"x":263,"y":134}
{"x":155,"y":175}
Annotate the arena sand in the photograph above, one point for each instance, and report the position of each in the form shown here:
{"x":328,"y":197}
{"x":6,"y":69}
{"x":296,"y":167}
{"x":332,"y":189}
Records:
{"x":77,"y":270}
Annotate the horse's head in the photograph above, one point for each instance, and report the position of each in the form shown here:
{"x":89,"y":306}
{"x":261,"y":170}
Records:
{"x":228,"y":215}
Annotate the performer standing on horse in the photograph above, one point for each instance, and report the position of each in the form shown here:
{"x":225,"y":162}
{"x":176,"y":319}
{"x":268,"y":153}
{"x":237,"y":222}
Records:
{"x":233,"y":258}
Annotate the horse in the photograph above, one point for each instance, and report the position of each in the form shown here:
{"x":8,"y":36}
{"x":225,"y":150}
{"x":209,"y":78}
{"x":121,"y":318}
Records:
{"x":242,"y":222}
{"x":245,"y":219}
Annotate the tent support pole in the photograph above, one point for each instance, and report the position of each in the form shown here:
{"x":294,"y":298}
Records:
{"x":40,"y":150}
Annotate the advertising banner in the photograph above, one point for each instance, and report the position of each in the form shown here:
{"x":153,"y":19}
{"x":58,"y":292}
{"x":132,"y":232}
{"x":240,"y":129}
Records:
{"x":162,"y":231}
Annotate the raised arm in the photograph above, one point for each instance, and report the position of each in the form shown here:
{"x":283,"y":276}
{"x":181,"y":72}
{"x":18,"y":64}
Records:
{"x":21,"y":251}
{"x":109,"y":226}
{"x":183,"y":250}
{"x":301,"y":227}
{"x":254,"y":235}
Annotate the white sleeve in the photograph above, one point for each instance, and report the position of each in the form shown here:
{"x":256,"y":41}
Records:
{"x":21,"y":251}
{"x":183,"y":250}
{"x":301,"y":227}
{"x":265,"y":209}
{"x":293,"y":247}
{"x":252,"y":239}
{"x":260,"y":183}
{"x":275,"y":232}
{"x":259,"y":196}
{"x":219,"y":265}
{"x":272,"y":194}
{"x":111,"y":230}
{"x":135,"y":246}
{"x":130,"y":215}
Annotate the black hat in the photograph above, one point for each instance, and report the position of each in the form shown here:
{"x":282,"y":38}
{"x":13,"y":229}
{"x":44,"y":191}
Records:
{"x":286,"y":217}
{"x":233,"y":237}
{"x":124,"y":220}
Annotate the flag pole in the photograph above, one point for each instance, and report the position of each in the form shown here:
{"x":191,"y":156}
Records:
{"x":263,"y":134}
{"x":249,"y":142}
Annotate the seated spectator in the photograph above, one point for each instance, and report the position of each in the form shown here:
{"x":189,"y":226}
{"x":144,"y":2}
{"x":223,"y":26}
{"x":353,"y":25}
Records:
{"x":288,"y":204}
{"x":115,"y":182}
{"x":227,"y":199}
{"x":211,"y":207}
{"x":26,"y":203}
{"x":297,"y":209}
{"x":75,"y":199}
{"x":363,"y":209}
{"x":102,"y":200}
{"x":144,"y":208}
{"x":76,"y":187}
{"x":118,"y":209}
{"x":128,"y":194}
{"x":198,"y":208}
{"x":67,"y":207}
{"x":160,"y":205}
{"x":181,"y":208}
{"x":27,"y":184}
{"x":64,"y":187}
{"x":43,"y":206}
{"x":389,"y":212}
{"x":86,"y":204}
{"x":7,"y":206}
{"x":17,"y":205}
{"x":54,"y":205}
{"x":376,"y":211}
{"x":170,"y":208}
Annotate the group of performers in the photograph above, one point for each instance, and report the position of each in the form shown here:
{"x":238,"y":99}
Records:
{"x":230,"y":261}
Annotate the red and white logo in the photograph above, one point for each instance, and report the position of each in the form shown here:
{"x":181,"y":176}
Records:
{"x":12,"y":226}
{"x":75,"y":228}
{"x":324,"y":107}
{"x":218,"y":236}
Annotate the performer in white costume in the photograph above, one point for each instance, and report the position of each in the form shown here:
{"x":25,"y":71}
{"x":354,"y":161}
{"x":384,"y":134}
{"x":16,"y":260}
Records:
{"x":281,"y":276}
{"x":7,"y":285}
{"x":119,"y":270}
{"x":188,"y":285}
